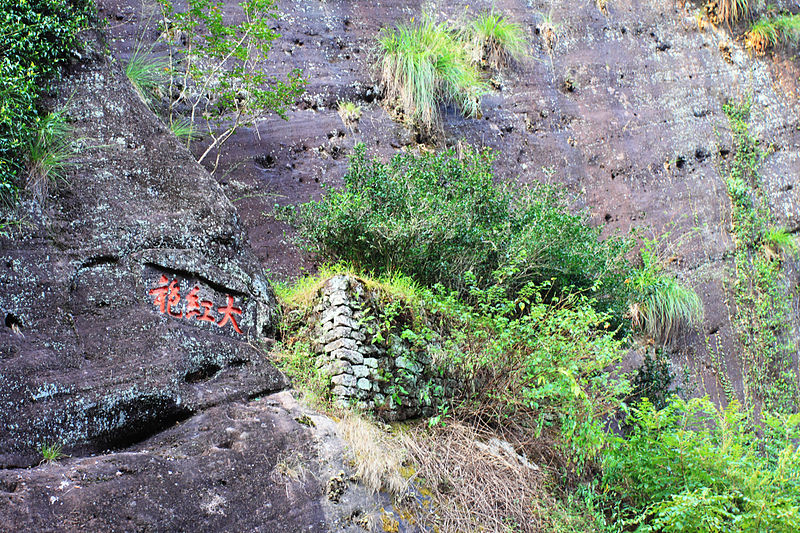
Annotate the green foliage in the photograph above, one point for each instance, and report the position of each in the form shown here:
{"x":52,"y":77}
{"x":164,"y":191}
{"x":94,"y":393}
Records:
{"x":48,"y":153}
{"x":495,"y":40}
{"x":436,"y":217}
{"x":423,"y":64}
{"x":693,"y":467}
{"x":769,"y":32}
{"x":36,"y":38}
{"x":660,"y":304}
{"x":146,"y":72}
{"x":545,"y":362}
{"x":781,"y":240}
{"x":763,"y":306}
{"x":653,"y":380}
{"x":214,"y":66}
{"x":51,"y":452}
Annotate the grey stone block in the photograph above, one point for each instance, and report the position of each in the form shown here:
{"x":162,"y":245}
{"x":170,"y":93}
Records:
{"x":371,"y":362}
{"x":340,"y":320}
{"x":364,"y":384}
{"x":345,"y":380}
{"x":349,"y":355}
{"x":345,"y":343}
{"x":360,"y":371}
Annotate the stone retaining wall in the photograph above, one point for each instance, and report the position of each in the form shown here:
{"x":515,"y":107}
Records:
{"x":387,"y":376}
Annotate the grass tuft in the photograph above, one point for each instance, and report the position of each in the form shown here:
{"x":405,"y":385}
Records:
{"x":423,"y":64}
{"x":781,"y":240}
{"x":660,"y":303}
{"x":48,"y":153}
{"x":771,"y":32}
{"x":494,"y":40}
{"x":349,"y":112}
{"x":146,"y":73}
{"x":730,"y":11}
{"x":51,"y":452}
{"x":183,"y":129}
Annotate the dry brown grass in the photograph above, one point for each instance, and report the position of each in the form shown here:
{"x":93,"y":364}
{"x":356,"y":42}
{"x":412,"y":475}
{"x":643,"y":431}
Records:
{"x":477,"y":482}
{"x":378,"y":455}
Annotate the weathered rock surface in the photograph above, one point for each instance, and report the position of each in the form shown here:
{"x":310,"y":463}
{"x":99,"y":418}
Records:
{"x":115,"y":299}
{"x":263,"y":466}
{"x":136,"y":322}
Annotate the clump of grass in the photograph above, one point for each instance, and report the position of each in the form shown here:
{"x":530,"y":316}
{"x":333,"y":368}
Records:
{"x":378,"y":455}
{"x":51,"y":452}
{"x":145,"y":72}
{"x":770,"y":32}
{"x":781,"y":240}
{"x":48,"y":153}
{"x":423,"y":65}
{"x":349,"y":112}
{"x":660,"y":303}
{"x":183,"y":129}
{"x":730,"y":11}
{"x":495,"y":40}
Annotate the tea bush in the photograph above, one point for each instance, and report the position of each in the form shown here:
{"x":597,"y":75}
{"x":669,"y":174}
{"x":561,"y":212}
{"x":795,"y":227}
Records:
{"x":436,"y":217}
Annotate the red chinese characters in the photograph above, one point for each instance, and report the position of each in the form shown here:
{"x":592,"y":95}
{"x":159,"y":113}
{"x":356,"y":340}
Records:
{"x":167,"y":297}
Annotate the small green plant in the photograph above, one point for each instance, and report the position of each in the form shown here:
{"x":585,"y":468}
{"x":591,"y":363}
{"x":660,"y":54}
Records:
{"x":780,"y":240}
{"x":770,"y":32}
{"x":51,"y":452}
{"x":423,"y":65}
{"x":495,"y":40}
{"x":349,"y":112}
{"x":214,"y":67}
{"x":48,"y":153}
{"x":653,"y":380}
{"x":660,"y":304}
{"x":146,"y":72}
{"x":183,"y":129}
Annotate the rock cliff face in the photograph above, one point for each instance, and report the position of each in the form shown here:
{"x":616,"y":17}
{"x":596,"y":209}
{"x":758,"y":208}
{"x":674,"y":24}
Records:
{"x":623,"y":108}
{"x":136,"y":320}
{"x":135,"y":303}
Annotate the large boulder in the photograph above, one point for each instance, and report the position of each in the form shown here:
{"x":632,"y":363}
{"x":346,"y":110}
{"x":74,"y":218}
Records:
{"x":131,"y":300}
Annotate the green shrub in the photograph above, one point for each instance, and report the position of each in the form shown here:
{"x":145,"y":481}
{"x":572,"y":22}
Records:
{"x":36,"y":38}
{"x":659,"y":303}
{"x":495,"y":40}
{"x":693,"y":467}
{"x":424,"y":65}
{"x":436,"y":217}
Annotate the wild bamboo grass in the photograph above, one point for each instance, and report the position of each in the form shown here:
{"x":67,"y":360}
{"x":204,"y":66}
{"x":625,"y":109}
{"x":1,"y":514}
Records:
{"x":495,"y":39}
{"x":423,"y":64}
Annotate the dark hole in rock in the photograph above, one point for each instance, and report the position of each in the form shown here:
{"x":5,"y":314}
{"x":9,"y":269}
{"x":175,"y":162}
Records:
{"x":701,"y":155}
{"x":663,"y":47}
{"x":265,"y":161}
{"x":12,"y":321}
{"x":788,"y":187}
{"x":623,"y":30}
{"x":203,"y":373}
{"x":123,"y":421}
{"x":680,"y":162}
{"x":8,"y":485}
{"x":607,"y":217}
{"x":724,"y":152}
{"x":713,"y":330}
